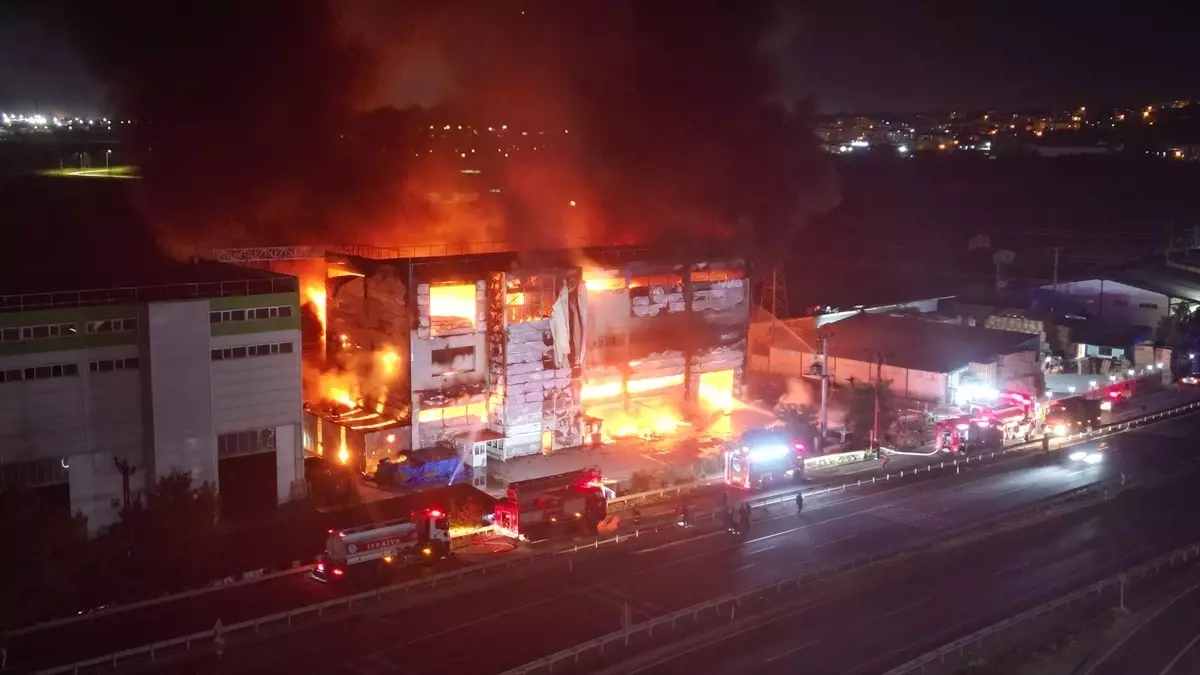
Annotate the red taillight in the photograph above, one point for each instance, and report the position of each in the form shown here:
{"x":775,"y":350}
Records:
{"x":320,"y":567}
{"x":337,"y":572}
{"x":434,"y":513}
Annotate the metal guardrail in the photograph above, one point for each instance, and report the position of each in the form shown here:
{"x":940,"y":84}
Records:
{"x":726,"y":606}
{"x":965,"y":646}
{"x":161,"y":648}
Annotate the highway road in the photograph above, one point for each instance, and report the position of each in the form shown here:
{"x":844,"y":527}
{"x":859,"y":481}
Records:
{"x":532,"y":617}
{"x":926,"y":602}
{"x":110,"y":632}
{"x":1166,"y":641}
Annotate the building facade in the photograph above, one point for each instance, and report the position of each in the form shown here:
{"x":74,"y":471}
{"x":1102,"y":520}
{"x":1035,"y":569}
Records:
{"x":198,"y":377}
{"x":542,"y":350}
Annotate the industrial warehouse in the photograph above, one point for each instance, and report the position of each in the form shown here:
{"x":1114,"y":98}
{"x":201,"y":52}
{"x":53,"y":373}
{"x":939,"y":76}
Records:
{"x":151,"y":367}
{"x":504,"y":355}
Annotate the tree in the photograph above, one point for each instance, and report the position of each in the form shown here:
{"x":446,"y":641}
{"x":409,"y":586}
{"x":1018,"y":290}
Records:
{"x":40,"y":560}
{"x":169,"y":536}
{"x":800,"y":420}
{"x":860,"y":413}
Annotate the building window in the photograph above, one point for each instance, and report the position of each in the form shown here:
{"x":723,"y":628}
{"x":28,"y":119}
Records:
{"x":40,"y":372}
{"x":246,"y":442}
{"x":452,"y":361}
{"x":255,"y":314}
{"x":530,"y":298}
{"x":1148,"y":305}
{"x":110,"y":365}
{"x":1104,"y":351}
{"x":111,"y":326}
{"x":34,"y":473}
{"x":270,"y":349}
{"x":50,"y":331}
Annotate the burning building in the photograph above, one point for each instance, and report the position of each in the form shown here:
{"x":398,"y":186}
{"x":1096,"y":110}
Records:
{"x":513,"y":354}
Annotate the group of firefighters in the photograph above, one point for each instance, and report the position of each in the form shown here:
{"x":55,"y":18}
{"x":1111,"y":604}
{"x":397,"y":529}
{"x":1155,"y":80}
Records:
{"x":738,"y":523}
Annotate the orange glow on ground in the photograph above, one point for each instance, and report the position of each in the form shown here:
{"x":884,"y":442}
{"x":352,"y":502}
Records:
{"x":451,"y":307}
{"x":644,"y":419}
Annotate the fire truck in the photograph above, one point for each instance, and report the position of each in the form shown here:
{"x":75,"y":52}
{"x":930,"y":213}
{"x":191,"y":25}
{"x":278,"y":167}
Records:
{"x":540,"y":507}
{"x":1014,"y":417}
{"x":763,"y":457}
{"x":1073,"y":415}
{"x":372,"y":549}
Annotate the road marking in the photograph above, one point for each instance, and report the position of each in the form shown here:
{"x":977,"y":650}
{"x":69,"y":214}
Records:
{"x":743,"y":567}
{"x":1120,"y":643}
{"x":761,"y":550}
{"x":679,"y":543}
{"x":836,"y":541}
{"x":907,"y":607}
{"x":1178,"y":656}
{"x":793,"y":650}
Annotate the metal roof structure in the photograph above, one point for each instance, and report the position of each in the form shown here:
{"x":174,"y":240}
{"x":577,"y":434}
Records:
{"x":911,"y":342}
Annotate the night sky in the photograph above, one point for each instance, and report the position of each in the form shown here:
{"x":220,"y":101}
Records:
{"x":863,"y":56}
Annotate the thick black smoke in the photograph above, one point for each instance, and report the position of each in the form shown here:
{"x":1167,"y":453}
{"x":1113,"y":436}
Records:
{"x":262,"y":121}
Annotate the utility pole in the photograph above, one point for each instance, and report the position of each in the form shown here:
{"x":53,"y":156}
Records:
{"x":127,"y":470}
{"x":1056,"y":249}
{"x":878,"y":377}
{"x":824,"y":338}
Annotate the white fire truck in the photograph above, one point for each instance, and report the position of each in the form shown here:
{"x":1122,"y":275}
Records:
{"x":538,"y":508}
{"x":373,"y":549}
{"x":763,"y":457}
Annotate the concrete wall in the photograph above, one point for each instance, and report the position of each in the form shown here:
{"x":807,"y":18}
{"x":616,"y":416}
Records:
{"x":176,"y":377}
{"x":1115,"y":302}
{"x":908,"y":383}
{"x":262,"y":392}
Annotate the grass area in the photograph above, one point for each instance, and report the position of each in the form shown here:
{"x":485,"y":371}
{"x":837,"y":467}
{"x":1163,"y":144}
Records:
{"x":116,"y":171}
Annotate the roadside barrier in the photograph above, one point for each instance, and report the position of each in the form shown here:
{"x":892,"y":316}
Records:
{"x":1090,"y":600}
{"x":728,"y":607}
{"x":346,"y":604}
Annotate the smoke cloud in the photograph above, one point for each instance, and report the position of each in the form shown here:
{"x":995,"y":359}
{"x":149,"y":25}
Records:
{"x":314,"y":121}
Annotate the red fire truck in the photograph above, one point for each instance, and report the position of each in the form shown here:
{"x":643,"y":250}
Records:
{"x":372,"y":549}
{"x":1013,"y":417}
{"x":537,"y":508}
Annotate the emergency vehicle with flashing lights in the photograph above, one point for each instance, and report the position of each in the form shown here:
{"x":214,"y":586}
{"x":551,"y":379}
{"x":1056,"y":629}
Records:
{"x":372,"y":549}
{"x":1013,"y":417}
{"x":538,"y":508}
{"x":762,"y":458}
{"x":1072,"y":415}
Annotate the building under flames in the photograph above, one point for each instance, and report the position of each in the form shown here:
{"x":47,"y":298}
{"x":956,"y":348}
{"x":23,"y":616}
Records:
{"x":513,"y":354}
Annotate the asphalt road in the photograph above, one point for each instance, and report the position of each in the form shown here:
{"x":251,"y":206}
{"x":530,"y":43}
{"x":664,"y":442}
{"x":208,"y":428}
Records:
{"x":928,"y":602}
{"x":532,"y":617}
{"x":111,"y":632}
{"x":1166,"y":642}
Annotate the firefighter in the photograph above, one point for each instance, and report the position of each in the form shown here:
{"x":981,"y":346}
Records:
{"x":727,"y":517}
{"x":799,"y":503}
{"x":637,"y":515}
{"x":745,"y":518}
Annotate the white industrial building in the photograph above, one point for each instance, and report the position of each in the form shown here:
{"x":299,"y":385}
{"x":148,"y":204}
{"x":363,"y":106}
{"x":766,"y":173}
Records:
{"x":191,"y":366}
{"x":1138,"y":295}
{"x":924,"y":360}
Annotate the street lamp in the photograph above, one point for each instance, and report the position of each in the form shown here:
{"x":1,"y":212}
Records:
{"x":107,"y":166}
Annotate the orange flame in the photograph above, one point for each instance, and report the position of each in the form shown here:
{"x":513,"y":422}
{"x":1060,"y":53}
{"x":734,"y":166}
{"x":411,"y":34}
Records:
{"x":316,"y":295}
{"x":455,"y":301}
